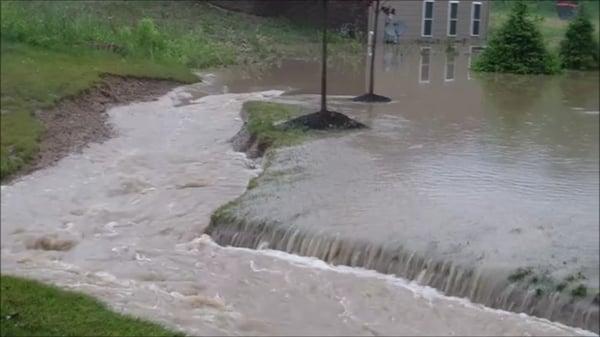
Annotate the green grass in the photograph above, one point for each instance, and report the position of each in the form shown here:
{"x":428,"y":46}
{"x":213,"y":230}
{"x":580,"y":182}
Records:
{"x":262,"y":122}
{"x":263,"y":118}
{"x":553,"y":29}
{"x":53,"y":49}
{"x":34,"y":78}
{"x":29,"y":308}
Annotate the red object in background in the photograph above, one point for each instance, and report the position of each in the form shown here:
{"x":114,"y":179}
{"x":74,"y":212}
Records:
{"x":567,"y":3}
{"x":566,"y":8}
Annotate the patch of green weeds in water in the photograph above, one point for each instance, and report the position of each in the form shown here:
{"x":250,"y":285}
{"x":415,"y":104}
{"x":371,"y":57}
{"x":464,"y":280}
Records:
{"x":575,"y":277}
{"x":519,"y":274}
{"x":561,"y":286}
{"x":252,"y":183}
{"x":579,"y":291}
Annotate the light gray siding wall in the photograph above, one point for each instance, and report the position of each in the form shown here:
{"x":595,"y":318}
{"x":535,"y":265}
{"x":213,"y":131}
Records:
{"x":410,"y":13}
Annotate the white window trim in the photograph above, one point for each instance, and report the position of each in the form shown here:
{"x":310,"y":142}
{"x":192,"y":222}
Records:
{"x":473,"y":16}
{"x":449,"y":18}
{"x":421,"y":65}
{"x":423,"y":18}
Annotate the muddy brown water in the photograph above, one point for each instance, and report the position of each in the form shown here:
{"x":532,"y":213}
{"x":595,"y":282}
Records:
{"x":461,"y":183}
{"x":123,"y":220}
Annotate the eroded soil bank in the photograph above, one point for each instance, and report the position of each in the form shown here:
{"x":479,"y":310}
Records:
{"x":74,"y":122}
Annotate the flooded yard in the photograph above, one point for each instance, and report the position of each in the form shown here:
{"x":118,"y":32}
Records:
{"x":457,"y":183}
{"x":484,"y":187}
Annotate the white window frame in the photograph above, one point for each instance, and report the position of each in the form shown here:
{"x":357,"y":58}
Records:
{"x":423,"y":17}
{"x":475,"y":3}
{"x":421,"y":65}
{"x":450,"y":18}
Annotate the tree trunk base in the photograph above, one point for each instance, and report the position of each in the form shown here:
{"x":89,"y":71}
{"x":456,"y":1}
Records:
{"x":323,"y":120}
{"x":372,"y":98}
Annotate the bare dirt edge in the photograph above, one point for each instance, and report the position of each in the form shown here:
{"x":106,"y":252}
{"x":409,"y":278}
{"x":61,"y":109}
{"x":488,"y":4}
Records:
{"x":78,"y":120}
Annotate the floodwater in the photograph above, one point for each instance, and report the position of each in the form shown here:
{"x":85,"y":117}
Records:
{"x":458,"y":183}
{"x":124,"y":220}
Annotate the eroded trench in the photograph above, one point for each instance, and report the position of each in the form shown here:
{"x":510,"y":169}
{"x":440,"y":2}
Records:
{"x":123,"y":220}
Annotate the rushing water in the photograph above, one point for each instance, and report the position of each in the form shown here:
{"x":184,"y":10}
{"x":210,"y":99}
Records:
{"x":134,"y":209}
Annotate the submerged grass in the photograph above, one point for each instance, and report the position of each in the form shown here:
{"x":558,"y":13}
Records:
{"x":29,"y":308}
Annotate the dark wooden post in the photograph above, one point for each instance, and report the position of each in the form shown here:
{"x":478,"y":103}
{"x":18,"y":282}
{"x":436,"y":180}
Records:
{"x":324,"y":61}
{"x":370,"y":96}
{"x":373,"y":49}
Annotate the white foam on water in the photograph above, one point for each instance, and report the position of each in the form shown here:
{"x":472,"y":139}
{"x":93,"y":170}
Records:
{"x":421,"y":291}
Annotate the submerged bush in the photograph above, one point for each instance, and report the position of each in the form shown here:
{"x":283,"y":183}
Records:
{"x":517,"y":47}
{"x":579,"y":49}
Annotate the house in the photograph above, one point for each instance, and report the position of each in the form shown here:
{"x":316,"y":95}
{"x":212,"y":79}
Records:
{"x":432,"y":20}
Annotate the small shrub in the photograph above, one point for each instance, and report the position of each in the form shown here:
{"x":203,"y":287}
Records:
{"x":518,"y":47}
{"x":580,"y":291}
{"x":579,"y":48}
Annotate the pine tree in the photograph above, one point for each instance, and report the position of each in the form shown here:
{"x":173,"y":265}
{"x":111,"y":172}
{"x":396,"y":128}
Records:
{"x":579,"y":48}
{"x":518,"y":47}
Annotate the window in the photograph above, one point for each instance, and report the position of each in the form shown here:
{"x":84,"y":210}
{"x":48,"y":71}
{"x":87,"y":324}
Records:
{"x":425,"y":62}
{"x":452,"y":18}
{"x":476,"y":19}
{"x":427,"y":18}
{"x":450,"y":57}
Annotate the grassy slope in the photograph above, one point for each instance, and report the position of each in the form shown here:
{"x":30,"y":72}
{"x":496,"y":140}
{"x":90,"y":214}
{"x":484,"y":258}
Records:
{"x":263,"y":118}
{"x":30,"y":308}
{"x":34,"y":78}
{"x":50,"y":50}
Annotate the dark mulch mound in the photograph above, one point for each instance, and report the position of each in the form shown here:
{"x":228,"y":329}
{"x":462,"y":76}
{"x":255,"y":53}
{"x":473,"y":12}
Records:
{"x":324,"y":120}
{"x":372,"y":98}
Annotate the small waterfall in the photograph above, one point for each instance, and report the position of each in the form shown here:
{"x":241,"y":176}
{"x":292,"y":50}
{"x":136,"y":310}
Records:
{"x":485,"y":286}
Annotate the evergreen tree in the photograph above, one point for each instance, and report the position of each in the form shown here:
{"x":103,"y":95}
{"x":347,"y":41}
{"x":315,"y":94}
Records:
{"x":517,"y":47}
{"x":579,"y":48}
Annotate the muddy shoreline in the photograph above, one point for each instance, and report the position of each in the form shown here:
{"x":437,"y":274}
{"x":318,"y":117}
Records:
{"x":486,"y":286}
{"x":78,"y":120}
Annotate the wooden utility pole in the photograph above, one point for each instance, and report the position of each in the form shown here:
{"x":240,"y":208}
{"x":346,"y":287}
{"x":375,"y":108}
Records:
{"x":324,"y":60}
{"x":371,"y":96}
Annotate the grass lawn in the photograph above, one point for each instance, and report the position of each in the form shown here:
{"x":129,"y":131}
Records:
{"x":29,"y":308}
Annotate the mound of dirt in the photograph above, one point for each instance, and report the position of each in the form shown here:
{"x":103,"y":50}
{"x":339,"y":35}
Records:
{"x":323,"y":121}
